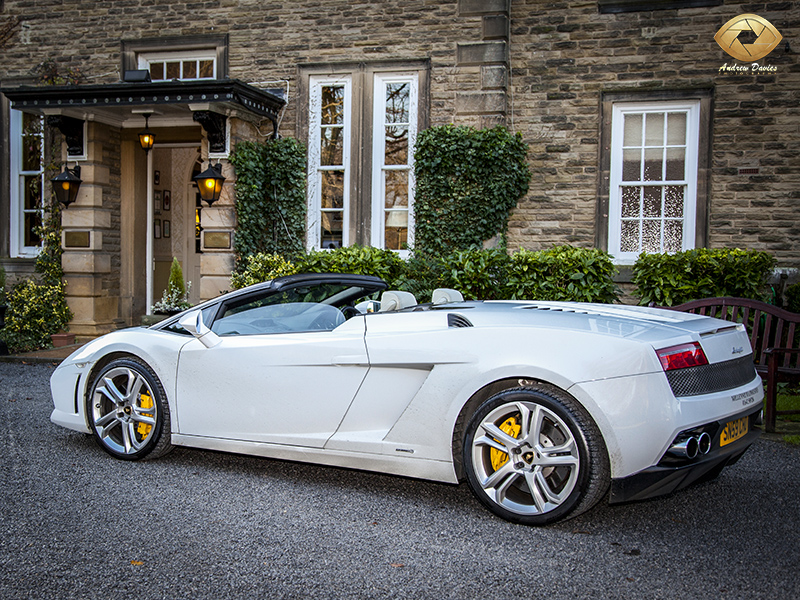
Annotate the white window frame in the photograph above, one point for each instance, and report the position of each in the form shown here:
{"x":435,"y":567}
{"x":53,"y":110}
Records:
{"x":381,"y":80}
{"x":17,"y":192}
{"x":620,"y":110}
{"x":315,"y":168}
{"x":145,"y":58}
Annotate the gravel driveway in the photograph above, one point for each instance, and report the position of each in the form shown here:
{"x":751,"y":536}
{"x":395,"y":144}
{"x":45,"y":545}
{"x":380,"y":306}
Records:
{"x":196,"y":524}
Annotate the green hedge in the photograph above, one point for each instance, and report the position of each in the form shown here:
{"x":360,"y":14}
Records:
{"x":671,"y":279}
{"x":561,"y":273}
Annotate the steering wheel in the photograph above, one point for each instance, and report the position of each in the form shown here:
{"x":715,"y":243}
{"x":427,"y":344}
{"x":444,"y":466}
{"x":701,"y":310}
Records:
{"x":349,"y":311}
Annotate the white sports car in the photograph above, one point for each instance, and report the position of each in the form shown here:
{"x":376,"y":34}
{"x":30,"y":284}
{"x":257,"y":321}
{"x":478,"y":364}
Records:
{"x":541,"y":406}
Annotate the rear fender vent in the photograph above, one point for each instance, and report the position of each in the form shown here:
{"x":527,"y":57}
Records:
{"x":456,"y":320}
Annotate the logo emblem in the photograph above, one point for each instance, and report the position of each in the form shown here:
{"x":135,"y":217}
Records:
{"x":767,"y":37}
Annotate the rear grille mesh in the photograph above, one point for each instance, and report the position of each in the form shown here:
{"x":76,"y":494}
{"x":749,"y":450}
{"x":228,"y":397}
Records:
{"x":717,"y":377}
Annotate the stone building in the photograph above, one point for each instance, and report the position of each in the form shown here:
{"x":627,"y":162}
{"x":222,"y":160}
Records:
{"x":643,"y":133}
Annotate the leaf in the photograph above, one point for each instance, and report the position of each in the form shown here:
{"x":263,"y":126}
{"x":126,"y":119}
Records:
{"x":137,"y":563}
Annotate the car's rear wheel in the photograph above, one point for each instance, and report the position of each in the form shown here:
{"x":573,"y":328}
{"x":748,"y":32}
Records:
{"x":128,"y":411}
{"x":533,"y":455}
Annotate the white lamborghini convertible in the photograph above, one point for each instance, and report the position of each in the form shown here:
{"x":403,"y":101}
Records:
{"x":544,"y":408}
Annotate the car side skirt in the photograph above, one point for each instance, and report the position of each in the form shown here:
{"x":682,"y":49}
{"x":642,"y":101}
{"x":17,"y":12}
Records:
{"x":661,"y":480}
{"x":420,"y":468}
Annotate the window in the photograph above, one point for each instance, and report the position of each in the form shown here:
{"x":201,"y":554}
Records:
{"x":362,"y":125}
{"x":329,"y":162}
{"x":652,"y":202}
{"x":166,"y":66}
{"x":182,"y":57}
{"x":394,"y":134}
{"x":27,"y":182}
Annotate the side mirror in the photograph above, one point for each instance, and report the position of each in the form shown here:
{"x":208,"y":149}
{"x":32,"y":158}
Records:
{"x":193,"y":323}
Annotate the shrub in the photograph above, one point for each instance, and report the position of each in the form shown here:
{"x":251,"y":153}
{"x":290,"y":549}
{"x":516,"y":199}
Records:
{"x":2,"y":286}
{"x":793,"y":297}
{"x":176,"y":297}
{"x":467,"y":181}
{"x":478,"y":274}
{"x":35,"y":311}
{"x":261,"y":267}
{"x":670,"y":279}
{"x":562,"y":273}
{"x":359,"y":260}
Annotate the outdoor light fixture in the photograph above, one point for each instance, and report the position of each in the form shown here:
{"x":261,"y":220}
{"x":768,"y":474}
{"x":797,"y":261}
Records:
{"x":66,"y":185}
{"x":146,"y":137}
{"x":209,"y":182}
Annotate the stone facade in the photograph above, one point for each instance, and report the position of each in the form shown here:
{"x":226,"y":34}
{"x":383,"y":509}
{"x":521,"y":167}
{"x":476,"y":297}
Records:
{"x":541,"y":68}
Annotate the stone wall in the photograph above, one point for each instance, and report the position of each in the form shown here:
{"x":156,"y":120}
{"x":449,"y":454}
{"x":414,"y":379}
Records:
{"x":565,"y":55}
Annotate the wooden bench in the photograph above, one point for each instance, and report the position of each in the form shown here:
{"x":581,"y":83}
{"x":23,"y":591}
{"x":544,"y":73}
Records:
{"x":774,"y":336}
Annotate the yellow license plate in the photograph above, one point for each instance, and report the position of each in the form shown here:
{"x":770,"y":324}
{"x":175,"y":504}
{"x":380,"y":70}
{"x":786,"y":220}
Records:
{"x":734,"y":430}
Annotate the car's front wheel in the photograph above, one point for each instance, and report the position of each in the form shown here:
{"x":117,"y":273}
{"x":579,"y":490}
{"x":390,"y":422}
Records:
{"x":533,"y":455}
{"x":128,"y":411}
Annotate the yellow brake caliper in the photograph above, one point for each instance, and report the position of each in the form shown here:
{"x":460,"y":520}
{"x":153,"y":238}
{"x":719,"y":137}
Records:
{"x":145,"y":402}
{"x":498,"y":457}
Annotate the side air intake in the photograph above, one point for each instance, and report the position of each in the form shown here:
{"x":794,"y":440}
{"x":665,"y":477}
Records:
{"x":455,"y":320}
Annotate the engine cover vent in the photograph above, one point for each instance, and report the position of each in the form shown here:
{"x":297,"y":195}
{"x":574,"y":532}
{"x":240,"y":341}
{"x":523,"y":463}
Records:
{"x":456,"y":320}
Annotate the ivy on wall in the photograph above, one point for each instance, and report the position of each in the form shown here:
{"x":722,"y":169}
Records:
{"x":467,"y":181}
{"x":270,"y":198}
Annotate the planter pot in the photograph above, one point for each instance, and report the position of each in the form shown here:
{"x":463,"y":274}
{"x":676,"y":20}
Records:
{"x":62,"y":339}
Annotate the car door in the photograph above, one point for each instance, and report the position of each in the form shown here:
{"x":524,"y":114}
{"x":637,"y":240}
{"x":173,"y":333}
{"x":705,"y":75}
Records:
{"x":284,"y":371}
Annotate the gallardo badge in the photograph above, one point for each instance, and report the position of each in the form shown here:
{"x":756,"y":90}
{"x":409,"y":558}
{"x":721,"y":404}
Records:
{"x":767,"y":37}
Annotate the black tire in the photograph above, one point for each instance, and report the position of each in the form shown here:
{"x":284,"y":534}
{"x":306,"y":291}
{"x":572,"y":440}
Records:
{"x":511,"y":469}
{"x":128,"y":411}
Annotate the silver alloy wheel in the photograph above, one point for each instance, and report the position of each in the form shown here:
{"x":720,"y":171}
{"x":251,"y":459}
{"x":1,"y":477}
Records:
{"x":124,"y":410}
{"x":542,"y":460}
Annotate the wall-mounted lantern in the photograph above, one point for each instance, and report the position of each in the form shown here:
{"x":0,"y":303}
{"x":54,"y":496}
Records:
{"x":146,"y":137}
{"x":67,"y":184}
{"x":209,"y":182}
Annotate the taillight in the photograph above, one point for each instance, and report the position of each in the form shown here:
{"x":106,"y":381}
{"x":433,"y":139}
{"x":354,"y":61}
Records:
{"x":681,"y":357}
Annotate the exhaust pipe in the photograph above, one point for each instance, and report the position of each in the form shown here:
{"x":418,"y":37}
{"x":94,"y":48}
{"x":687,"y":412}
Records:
{"x":685,"y":448}
{"x":692,"y":446}
{"x":704,"y":443}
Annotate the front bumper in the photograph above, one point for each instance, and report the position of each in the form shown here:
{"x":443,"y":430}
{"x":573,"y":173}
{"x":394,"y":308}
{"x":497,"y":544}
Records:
{"x":670,"y":475}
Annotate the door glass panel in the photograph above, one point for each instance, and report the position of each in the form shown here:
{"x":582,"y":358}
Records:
{"x":396,"y":145}
{"x":397,"y":102}
{"x":332,"y":189}
{"x":332,"y":150}
{"x":332,"y":105}
{"x":396,"y":189}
